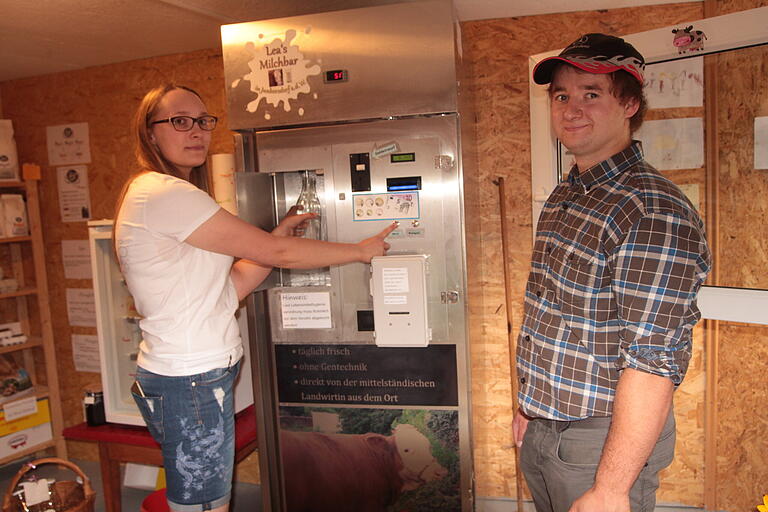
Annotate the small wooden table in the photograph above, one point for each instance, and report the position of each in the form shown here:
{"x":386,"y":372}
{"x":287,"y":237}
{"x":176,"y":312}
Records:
{"x":128,"y":443}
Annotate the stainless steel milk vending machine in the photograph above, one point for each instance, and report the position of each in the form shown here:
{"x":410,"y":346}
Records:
{"x":361,"y":372}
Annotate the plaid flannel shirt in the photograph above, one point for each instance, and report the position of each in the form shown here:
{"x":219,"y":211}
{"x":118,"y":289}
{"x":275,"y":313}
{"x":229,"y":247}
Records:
{"x":619,"y":257}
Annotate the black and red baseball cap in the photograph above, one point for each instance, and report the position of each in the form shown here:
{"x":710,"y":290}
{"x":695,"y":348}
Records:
{"x":594,"y":53}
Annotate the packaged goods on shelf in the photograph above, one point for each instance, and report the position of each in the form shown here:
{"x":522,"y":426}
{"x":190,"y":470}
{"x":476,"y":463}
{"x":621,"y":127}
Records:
{"x":9,"y":161}
{"x":10,"y":334}
{"x":14,"y":215}
{"x":8,"y":285}
{"x":14,"y":380}
{"x":12,"y":339}
{"x":19,"y":434}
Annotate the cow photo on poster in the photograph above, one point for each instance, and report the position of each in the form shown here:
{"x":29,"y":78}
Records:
{"x":349,"y":459}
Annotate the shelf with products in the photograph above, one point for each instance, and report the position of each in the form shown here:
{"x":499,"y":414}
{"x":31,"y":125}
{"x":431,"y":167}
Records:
{"x":24,"y":303}
{"x":32,"y":342}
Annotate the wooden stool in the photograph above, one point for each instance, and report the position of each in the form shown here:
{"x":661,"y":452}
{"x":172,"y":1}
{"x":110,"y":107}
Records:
{"x":127,"y":443}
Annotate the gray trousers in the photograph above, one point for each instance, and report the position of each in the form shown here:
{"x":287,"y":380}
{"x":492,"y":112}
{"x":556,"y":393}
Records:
{"x":559,"y":460}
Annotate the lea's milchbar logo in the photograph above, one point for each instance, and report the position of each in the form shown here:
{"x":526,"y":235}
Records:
{"x":279,"y":72}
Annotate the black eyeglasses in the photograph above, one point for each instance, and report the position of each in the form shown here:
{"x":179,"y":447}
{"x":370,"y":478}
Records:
{"x":185,"y":123}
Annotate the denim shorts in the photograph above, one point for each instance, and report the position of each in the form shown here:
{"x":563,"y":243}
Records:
{"x":192,"y":418}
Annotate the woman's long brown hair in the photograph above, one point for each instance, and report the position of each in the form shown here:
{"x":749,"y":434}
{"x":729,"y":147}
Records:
{"x":148,"y":155}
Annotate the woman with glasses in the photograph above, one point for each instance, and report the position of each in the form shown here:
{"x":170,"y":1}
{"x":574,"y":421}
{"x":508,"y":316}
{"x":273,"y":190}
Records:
{"x":177,"y":250}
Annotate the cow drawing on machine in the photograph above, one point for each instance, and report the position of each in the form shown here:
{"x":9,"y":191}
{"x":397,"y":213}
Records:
{"x":354,"y":472}
{"x":688,"y":40}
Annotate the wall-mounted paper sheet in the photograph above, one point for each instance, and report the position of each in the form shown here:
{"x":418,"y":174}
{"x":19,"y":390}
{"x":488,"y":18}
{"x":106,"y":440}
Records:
{"x":76,"y":257}
{"x":678,"y":83}
{"x":673,"y":143}
{"x":74,"y":198}
{"x":68,"y":144}
{"x":85,"y":352}
{"x":761,"y":143}
{"x":81,"y":307}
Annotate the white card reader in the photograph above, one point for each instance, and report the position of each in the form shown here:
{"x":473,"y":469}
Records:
{"x":399,"y":290}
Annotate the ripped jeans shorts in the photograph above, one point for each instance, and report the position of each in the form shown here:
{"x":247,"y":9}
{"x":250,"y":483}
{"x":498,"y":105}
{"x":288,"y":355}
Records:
{"x":192,"y":418}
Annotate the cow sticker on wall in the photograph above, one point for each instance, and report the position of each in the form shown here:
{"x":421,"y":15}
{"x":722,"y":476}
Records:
{"x":688,"y":40}
{"x":279,"y":72}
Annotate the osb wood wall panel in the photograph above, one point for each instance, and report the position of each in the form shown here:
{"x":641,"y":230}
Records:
{"x":498,"y":51}
{"x":105,"y":97}
{"x":741,"y":470}
{"x":729,"y":6}
{"x":742,"y":422}
{"x":743,"y":198}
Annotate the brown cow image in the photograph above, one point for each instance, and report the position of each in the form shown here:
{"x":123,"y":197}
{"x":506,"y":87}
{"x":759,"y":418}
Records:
{"x":354,"y":472}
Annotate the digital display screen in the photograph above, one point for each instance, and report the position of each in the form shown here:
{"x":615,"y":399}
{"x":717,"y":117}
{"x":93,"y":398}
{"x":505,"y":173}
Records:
{"x":402,"y":157}
{"x":336,"y":75}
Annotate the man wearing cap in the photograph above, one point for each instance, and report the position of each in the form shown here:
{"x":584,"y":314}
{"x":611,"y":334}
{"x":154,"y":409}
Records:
{"x":610,"y":302}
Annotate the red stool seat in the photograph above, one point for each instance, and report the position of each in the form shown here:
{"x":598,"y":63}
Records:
{"x":155,"y":502}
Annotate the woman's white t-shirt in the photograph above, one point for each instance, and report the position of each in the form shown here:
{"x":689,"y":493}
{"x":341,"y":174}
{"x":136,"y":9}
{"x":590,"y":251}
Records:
{"x":184,"y":294}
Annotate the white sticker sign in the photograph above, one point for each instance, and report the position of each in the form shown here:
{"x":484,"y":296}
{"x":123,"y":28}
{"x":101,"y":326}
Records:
{"x":385,"y":149}
{"x":394,"y":280}
{"x":306,"y":310}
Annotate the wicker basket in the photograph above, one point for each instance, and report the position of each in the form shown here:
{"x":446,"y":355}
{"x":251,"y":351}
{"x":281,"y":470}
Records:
{"x":68,"y":496}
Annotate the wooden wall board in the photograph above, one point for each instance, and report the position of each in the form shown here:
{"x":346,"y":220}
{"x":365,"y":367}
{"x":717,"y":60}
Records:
{"x":674,"y":113}
{"x":742,"y":423}
{"x":740,"y":473}
{"x":743,"y":237}
{"x":729,"y":6}
{"x":683,"y":481}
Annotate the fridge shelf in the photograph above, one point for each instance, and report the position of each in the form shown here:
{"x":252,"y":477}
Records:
{"x":32,"y":341}
{"x":19,"y":293}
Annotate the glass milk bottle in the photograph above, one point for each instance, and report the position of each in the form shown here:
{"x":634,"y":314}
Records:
{"x":309,"y":202}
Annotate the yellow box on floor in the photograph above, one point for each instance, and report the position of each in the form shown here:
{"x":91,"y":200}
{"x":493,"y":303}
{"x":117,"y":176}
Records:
{"x":25,"y":432}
